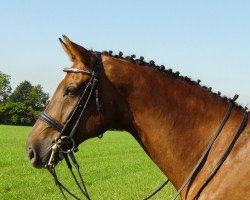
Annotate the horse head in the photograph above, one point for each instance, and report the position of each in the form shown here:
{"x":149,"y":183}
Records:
{"x":83,"y":106}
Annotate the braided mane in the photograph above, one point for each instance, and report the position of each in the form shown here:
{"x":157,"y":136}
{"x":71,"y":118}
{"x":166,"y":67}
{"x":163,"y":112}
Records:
{"x":140,"y":61}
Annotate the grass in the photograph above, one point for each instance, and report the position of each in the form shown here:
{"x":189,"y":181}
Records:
{"x":114,"y":167}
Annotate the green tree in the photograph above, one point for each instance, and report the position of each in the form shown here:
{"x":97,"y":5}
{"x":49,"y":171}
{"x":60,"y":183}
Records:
{"x":5,"y":88}
{"x":21,"y":92}
{"x":37,"y":99}
{"x":30,"y":95}
{"x":17,"y":113}
{"x":23,"y":105}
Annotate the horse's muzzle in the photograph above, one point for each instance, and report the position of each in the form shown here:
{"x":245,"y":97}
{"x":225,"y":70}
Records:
{"x":39,"y":158}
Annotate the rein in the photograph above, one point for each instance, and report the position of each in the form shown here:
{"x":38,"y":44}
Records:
{"x":68,"y":130}
{"x":206,"y":151}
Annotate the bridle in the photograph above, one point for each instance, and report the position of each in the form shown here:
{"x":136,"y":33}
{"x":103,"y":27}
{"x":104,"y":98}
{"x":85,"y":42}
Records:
{"x":68,"y":130}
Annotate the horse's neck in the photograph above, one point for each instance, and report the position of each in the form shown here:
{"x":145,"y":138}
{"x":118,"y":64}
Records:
{"x":173,"y":120}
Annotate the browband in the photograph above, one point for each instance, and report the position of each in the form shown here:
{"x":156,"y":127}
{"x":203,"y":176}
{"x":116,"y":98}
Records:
{"x":74,"y":70}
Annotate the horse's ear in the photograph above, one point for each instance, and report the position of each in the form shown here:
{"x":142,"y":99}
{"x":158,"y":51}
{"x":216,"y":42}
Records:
{"x":75,"y":51}
{"x":66,"y":49}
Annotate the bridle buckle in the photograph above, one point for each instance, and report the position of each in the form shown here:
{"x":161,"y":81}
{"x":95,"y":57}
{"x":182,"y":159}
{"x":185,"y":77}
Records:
{"x":54,"y":149}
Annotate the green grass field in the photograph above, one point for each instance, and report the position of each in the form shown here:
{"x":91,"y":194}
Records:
{"x":114,"y":167}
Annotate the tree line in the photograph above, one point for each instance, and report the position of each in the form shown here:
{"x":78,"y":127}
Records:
{"x":22,"y":106}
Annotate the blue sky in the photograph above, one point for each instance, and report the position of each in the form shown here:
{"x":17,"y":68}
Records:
{"x":207,"y":40}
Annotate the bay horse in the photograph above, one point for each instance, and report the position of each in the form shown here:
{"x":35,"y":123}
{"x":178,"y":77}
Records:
{"x":172,"y":117}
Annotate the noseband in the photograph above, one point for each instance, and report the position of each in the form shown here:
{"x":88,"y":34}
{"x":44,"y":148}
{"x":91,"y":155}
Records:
{"x":68,"y":130}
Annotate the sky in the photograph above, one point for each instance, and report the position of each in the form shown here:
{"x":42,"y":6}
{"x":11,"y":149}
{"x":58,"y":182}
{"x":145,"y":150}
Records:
{"x":206,"y":40}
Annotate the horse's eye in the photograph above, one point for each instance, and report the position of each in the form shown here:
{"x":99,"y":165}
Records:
{"x":71,"y":91}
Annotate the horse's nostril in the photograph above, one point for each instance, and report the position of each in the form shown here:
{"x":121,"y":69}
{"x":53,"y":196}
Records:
{"x":31,"y":155}
{"x":34,"y":157}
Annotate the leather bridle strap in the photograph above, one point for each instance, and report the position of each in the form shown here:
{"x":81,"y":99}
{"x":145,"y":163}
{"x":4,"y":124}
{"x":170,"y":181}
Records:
{"x":68,"y":130}
{"x":158,"y":190}
{"x":84,"y":99}
{"x":51,"y":121}
{"x":76,"y":115}
{"x":75,"y":163}
{"x":60,"y":185}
